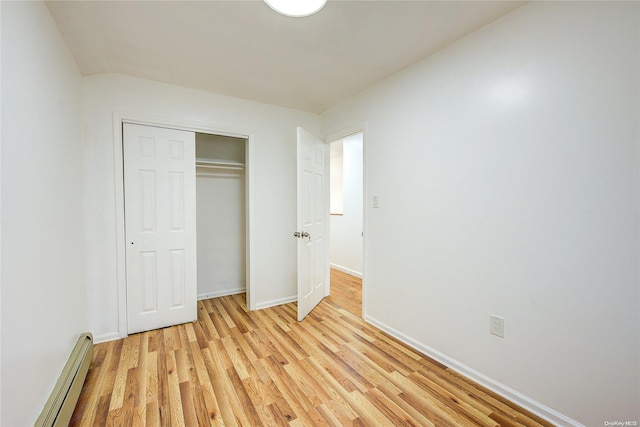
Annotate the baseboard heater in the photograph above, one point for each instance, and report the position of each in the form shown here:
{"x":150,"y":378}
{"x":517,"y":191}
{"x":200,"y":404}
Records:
{"x":62,"y":402}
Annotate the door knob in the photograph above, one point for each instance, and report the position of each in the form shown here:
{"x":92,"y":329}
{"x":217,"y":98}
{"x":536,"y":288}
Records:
{"x":296,"y":234}
{"x":305,"y":234}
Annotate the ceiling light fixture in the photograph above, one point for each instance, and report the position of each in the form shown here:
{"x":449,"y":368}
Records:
{"x":296,"y":8}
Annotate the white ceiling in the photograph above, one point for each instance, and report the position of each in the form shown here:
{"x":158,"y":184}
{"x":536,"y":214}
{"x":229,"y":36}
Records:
{"x":242,"y":48}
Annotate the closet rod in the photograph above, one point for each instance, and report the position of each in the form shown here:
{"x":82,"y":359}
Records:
{"x":221,"y":167}
{"x":218,"y":165}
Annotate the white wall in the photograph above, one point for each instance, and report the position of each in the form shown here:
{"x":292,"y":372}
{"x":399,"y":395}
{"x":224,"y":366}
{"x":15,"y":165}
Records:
{"x":507,"y":168}
{"x":346,"y":229}
{"x":43,"y":280}
{"x":273,"y":131}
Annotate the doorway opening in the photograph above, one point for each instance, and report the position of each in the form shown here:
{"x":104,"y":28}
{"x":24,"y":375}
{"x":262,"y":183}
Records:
{"x":346,"y":191}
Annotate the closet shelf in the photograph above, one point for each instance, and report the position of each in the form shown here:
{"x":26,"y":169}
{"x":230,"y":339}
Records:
{"x":218,"y":164}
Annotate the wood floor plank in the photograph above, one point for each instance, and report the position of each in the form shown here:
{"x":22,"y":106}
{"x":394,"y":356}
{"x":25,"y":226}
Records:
{"x":241,"y":321}
{"x":101,"y":413}
{"x":233,"y":367}
{"x":221,"y":326}
{"x":211,"y":404}
{"x":204,"y":320}
{"x":222,"y":387}
{"x":294,"y":396}
{"x":273,"y":350}
{"x":199,"y":406}
{"x":258,"y":395}
{"x":222,"y":312}
{"x":151,"y":380}
{"x":392,"y":411}
{"x":331,"y":417}
{"x":280,"y":418}
{"x":274,"y":395}
{"x":141,"y":372}
{"x":237,"y":357}
{"x":151,"y":414}
{"x":368,"y":412}
{"x":117,"y":395}
{"x":307,"y":383}
{"x":372,"y":372}
{"x":437,"y":408}
{"x":478,"y":414}
{"x":286,"y":340}
{"x":175,"y":397}
{"x":246,"y":406}
{"x":332,"y":387}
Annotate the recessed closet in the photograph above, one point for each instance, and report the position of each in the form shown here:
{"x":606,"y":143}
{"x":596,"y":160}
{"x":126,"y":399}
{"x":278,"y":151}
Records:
{"x":220,"y":215}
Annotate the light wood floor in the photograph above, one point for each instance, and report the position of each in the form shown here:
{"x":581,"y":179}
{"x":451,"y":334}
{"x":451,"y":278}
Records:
{"x":235,"y":367}
{"x":346,"y":292}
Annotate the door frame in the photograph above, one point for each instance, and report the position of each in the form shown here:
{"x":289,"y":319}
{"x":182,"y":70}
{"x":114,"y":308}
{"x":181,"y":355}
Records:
{"x":341,"y":134}
{"x":163,"y":122}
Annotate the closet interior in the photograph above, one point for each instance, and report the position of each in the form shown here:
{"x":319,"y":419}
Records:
{"x":220,"y":215}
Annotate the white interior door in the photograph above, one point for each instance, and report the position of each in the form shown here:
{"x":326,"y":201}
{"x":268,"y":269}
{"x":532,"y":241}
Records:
{"x":160,"y":226}
{"x":313,"y":222}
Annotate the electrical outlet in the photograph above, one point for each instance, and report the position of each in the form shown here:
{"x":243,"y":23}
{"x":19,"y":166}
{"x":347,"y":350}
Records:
{"x":496,"y":325}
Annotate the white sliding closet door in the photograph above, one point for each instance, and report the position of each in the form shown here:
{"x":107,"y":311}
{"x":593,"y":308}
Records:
{"x":160,"y":216}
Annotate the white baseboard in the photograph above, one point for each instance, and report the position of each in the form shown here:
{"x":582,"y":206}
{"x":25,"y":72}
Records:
{"x":111,"y":336}
{"x":514,"y":396}
{"x":346,"y":270}
{"x":275,"y":302}
{"x":222,"y":293}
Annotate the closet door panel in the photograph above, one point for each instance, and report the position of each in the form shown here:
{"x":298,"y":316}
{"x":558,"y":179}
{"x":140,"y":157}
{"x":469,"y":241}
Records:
{"x":176,"y":200}
{"x":160,"y":226}
{"x":147,"y":200}
{"x":177,"y":278}
{"x":149,"y":279}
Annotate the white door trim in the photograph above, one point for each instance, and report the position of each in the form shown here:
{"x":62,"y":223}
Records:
{"x":157,"y":121}
{"x":340,"y":134}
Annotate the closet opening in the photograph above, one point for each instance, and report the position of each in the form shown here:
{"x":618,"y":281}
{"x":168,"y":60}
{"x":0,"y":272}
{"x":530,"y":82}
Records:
{"x":221,"y":215}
